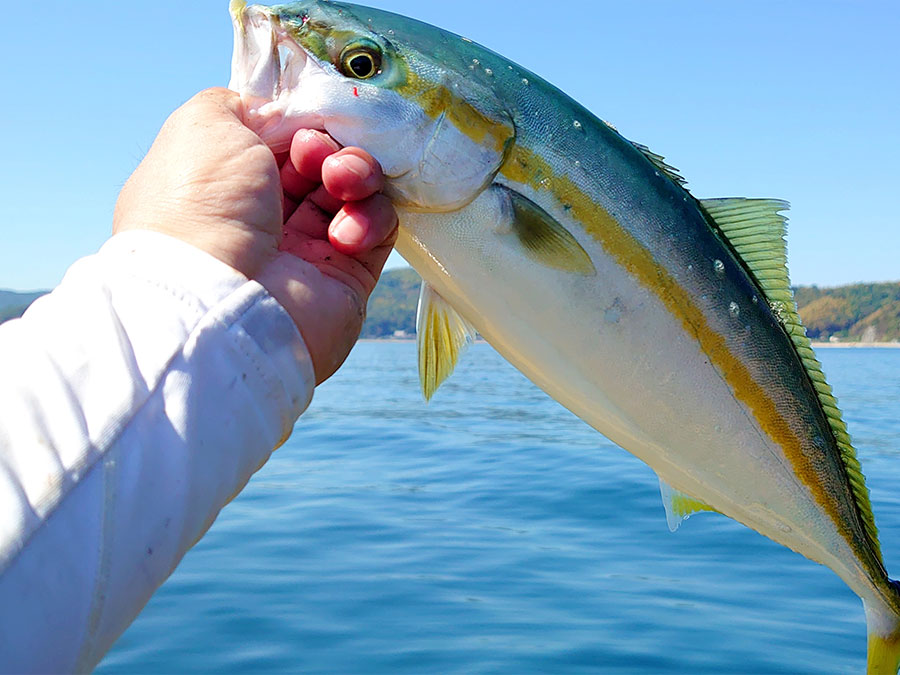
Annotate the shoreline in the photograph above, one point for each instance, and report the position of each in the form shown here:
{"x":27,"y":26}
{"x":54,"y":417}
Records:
{"x":856,"y":345}
{"x":816,"y":345}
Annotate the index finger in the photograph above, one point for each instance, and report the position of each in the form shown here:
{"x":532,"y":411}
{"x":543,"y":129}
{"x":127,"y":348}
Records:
{"x":363,"y":225}
{"x":303,"y":172}
{"x":352,"y":174}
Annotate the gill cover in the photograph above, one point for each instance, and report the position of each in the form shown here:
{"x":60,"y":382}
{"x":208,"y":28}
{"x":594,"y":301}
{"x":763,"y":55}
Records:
{"x":439,"y":136}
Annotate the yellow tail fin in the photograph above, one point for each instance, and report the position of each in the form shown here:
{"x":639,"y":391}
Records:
{"x":884,"y":655}
{"x":883,"y":627}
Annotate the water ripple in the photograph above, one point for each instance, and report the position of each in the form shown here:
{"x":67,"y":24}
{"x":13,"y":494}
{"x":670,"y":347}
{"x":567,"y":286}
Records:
{"x":492,"y":531}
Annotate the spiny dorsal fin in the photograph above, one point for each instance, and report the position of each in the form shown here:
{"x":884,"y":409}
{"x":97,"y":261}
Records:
{"x":660,"y":163}
{"x":441,"y":336}
{"x":679,"y":506}
{"x":756,"y":231}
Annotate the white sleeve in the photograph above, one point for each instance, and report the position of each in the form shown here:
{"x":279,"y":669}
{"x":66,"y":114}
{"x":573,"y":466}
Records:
{"x":135,"y":401}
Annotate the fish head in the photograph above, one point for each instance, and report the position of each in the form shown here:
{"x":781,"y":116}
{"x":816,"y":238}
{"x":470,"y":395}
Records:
{"x":369,"y":79}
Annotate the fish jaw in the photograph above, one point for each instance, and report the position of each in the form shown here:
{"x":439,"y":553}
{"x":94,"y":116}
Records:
{"x":438,"y":147}
{"x":264,"y":65}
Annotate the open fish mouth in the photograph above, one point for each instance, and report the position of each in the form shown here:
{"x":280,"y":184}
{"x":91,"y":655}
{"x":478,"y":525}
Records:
{"x":267,"y":69}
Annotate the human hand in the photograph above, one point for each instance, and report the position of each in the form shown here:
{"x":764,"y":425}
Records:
{"x":310,"y":227}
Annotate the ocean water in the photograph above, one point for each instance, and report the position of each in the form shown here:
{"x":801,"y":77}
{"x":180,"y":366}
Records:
{"x":491,"y":531}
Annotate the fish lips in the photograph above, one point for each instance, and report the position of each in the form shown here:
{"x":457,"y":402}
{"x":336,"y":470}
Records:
{"x":266,"y":69}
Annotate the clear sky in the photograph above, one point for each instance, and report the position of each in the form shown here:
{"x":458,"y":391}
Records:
{"x":798,"y":100}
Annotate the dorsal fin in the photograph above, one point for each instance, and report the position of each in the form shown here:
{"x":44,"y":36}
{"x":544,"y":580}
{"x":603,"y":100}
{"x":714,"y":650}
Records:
{"x":441,"y":336}
{"x":756,"y":231}
{"x":679,"y":506}
{"x":660,"y":163}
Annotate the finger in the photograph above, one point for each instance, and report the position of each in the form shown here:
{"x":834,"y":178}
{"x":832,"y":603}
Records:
{"x":343,"y":268}
{"x":303,"y":172}
{"x":309,"y":148}
{"x":217,"y":101}
{"x":288,"y":207}
{"x":282,"y":157}
{"x":352,"y":174}
{"x":346,"y":269}
{"x":361,"y":226}
{"x":309,"y":212}
{"x":308,"y":220}
{"x":295,"y":186}
{"x":326,"y":201}
{"x":373,"y":261}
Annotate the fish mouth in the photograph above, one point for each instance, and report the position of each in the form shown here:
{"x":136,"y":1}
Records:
{"x":266,"y":70}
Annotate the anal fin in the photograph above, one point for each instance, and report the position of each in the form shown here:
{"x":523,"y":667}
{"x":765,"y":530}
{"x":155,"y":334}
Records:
{"x":679,"y":506}
{"x":441,"y":336}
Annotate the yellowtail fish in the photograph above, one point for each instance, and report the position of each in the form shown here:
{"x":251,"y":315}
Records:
{"x":664,"y":321}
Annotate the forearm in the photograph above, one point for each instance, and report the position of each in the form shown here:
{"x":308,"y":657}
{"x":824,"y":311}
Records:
{"x":135,"y":401}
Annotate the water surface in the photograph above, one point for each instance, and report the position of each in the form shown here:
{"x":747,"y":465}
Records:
{"x":492,"y":531}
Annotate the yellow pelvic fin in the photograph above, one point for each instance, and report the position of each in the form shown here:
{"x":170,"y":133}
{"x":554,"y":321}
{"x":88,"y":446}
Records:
{"x":441,"y":336}
{"x":756,"y":229}
{"x":544,"y":239}
{"x":679,"y":506}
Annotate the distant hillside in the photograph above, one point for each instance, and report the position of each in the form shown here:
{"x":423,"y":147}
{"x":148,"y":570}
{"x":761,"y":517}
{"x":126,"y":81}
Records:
{"x":867,"y":312}
{"x":860,"y":311}
{"x":392,"y":306}
{"x":13,"y":304}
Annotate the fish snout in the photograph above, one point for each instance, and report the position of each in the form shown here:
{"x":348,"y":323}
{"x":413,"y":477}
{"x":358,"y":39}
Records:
{"x":266,"y":66}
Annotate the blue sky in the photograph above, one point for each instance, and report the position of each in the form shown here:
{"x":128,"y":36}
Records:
{"x":797,"y":100}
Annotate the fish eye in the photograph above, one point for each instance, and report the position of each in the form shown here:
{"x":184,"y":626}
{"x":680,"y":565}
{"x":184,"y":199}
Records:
{"x":361,"y":62}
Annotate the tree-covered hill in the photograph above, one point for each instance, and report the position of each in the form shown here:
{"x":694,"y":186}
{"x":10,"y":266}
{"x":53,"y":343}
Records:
{"x":392,"y":306}
{"x":860,"y":311}
{"x":866,"y":312}
{"x":13,"y":304}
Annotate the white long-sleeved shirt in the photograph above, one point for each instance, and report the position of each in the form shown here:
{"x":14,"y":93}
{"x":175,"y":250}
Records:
{"x":135,"y":401}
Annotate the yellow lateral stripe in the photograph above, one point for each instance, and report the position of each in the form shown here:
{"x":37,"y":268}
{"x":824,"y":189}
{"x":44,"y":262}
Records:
{"x":527,"y":167}
{"x":436,"y":100}
{"x":756,"y":230}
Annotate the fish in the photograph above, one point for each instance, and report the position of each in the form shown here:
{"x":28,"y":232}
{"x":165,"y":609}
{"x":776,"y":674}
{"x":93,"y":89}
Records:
{"x":664,"y":321}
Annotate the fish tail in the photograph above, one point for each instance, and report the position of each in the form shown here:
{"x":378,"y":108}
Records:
{"x":883,"y":627}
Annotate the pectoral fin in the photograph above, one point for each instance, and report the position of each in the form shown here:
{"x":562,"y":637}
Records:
{"x":679,"y":506}
{"x":441,"y":336}
{"x":543,"y":238}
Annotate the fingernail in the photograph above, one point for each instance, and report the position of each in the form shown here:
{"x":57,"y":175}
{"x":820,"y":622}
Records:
{"x":313,"y":135}
{"x":348,"y":232}
{"x":355,"y":165}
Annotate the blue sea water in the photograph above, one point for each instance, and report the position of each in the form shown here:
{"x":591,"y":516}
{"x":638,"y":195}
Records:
{"x":491,"y":531}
